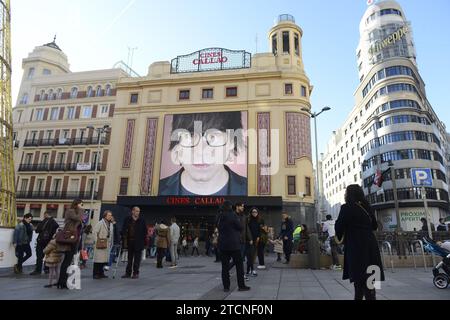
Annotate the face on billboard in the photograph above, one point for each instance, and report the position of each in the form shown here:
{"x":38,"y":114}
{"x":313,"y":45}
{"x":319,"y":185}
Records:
{"x":204,"y":154}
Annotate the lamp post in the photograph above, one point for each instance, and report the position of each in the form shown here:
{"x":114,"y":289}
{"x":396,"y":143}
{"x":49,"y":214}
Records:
{"x":394,"y":189}
{"x":314,"y":115}
{"x":100,"y":131}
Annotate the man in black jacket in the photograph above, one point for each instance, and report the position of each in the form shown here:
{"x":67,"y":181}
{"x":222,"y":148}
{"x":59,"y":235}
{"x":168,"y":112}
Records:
{"x":46,"y":230}
{"x":229,"y":243}
{"x":286,"y":234}
{"x":134,"y":232}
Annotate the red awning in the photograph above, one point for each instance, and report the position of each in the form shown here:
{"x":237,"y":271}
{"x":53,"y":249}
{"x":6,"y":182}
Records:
{"x":52,"y":206}
{"x":35,"y":206}
{"x":20,"y":206}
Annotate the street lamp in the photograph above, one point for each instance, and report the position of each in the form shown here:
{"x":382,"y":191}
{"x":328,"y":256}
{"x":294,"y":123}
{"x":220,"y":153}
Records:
{"x":314,"y":115}
{"x":100,"y":132}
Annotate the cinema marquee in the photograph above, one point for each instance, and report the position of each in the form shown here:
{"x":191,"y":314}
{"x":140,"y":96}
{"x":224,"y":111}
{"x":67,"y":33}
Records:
{"x":211,"y":59}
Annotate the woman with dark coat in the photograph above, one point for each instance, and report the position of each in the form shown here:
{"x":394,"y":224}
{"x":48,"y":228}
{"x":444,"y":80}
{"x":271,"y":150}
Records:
{"x":72,"y":221}
{"x":356,"y":223}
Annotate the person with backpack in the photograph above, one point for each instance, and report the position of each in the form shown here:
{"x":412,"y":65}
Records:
{"x":46,"y":230}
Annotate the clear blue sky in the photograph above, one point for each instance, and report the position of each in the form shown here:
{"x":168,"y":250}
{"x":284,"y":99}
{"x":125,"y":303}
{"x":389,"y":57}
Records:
{"x":96,"y":34}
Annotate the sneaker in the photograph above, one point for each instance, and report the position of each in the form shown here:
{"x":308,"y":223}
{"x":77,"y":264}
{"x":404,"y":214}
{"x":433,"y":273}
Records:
{"x":106,"y":268}
{"x":244,"y":288}
{"x":254,"y":274}
{"x":172,"y":267}
{"x":337,"y":267}
{"x":16,"y":269}
{"x":246,"y":278}
{"x":261,"y":267}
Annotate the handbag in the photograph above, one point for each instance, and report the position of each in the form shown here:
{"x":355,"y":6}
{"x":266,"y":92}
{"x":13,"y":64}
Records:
{"x":67,"y":237}
{"x":101,"y":243}
{"x":84,"y":255}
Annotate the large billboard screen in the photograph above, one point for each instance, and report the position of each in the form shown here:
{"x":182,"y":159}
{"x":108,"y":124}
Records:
{"x":204,"y":154}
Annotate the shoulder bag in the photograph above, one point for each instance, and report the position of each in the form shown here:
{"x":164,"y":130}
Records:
{"x":102,"y":243}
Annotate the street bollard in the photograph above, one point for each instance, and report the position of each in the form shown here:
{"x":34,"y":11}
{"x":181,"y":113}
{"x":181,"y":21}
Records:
{"x":314,"y":251}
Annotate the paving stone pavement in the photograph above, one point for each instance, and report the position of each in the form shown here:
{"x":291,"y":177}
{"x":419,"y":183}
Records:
{"x":199,"y":278}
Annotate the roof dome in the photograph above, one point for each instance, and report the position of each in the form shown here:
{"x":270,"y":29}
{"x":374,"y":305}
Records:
{"x":53,"y":45}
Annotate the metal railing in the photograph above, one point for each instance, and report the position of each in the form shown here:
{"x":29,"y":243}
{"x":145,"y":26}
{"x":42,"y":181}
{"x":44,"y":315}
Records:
{"x":57,"y":167}
{"x":55,"y":195}
{"x":63,"y":142}
{"x":413,"y":252}
{"x":387,"y":244}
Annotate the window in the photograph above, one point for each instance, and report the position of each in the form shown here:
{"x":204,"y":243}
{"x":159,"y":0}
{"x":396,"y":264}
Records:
{"x":39,"y":114}
{"x":288,"y":89}
{"x":42,"y":95}
{"x":54,"y":114}
{"x":104,"y":111}
{"x":108,"y":90}
{"x":286,"y":48}
{"x":40,"y":185}
{"x":56,"y":185}
{"x":74,"y":93}
{"x":207,"y":93}
{"x":50,"y":95}
{"x":24,"y":99}
{"x":31,"y":73}
{"x":297,"y":44}
{"x":274,"y":44}
{"x":184,"y":94}
{"x":99,"y":92}
{"x":134,"y":97}
{"x":24,"y":185}
{"x":307,"y":186}
{"x":70,"y":113}
{"x":90,"y":92}
{"x":28,"y":158}
{"x":291,"y":186}
{"x":87,"y":112}
{"x":304,"y":91}
{"x":61,"y":158}
{"x":44,"y":158}
{"x":46,"y":72}
{"x":59,"y":94}
{"x":78,"y":157}
{"x":231,"y":92}
{"x":123,"y":186}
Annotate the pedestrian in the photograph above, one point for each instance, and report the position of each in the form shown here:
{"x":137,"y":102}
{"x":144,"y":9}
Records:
{"x":87,"y":244}
{"x":425,"y":226}
{"x":184,"y":244}
{"x":277,"y":248}
{"x":296,"y":237}
{"x":356,"y":225}
{"x":254,"y":225}
{"x":245,"y":238}
{"x":134,"y":232}
{"x":230,"y":229}
{"x":174,"y":239}
{"x":23,"y":234}
{"x":215,"y":243}
{"x":73,"y":219}
{"x":46,"y":230}
{"x":195,"y":247}
{"x":103,"y":242}
{"x":442,"y":226}
{"x":304,"y":238}
{"x":261,"y":247}
{"x":328,"y":227}
{"x":53,"y":259}
{"x":208,"y":243}
{"x":162,"y":242}
{"x":115,"y":247}
{"x":286,"y":233}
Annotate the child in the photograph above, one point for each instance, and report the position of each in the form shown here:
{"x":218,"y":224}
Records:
{"x":277,"y":247}
{"x":52,"y":260}
{"x":184,"y":244}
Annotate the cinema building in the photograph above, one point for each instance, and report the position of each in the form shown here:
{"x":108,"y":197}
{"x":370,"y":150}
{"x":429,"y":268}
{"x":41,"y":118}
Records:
{"x":211,"y":126}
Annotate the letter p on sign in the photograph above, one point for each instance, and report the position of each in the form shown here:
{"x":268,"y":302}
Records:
{"x":421,"y":177}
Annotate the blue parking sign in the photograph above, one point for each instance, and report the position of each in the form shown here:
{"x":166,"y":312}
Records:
{"x":421,"y":177}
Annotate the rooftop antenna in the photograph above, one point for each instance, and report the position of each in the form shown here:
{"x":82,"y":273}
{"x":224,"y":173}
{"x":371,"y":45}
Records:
{"x":54,"y":39}
{"x":256,"y":41}
{"x":130,"y":56}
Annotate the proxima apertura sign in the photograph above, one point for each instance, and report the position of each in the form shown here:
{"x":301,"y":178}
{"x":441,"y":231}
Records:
{"x":211,"y":59}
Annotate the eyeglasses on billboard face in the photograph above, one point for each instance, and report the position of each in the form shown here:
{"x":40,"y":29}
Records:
{"x":214,"y":138}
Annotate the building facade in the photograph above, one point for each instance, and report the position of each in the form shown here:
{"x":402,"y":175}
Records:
{"x":57,"y":157}
{"x":215,"y":125}
{"x":392,"y":124}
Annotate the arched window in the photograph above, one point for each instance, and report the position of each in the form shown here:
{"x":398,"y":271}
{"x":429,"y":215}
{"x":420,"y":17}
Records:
{"x":90,"y":92}
{"x":50,"y":94}
{"x":74,"y":93}
{"x":24,"y":99}
{"x":99,"y":91}
{"x":108,"y":90}
{"x":59,"y":94}
{"x":42,"y":95}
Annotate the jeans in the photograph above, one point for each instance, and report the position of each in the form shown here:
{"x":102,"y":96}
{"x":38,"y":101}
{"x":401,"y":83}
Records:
{"x":174,"y":253}
{"x":20,"y":251}
{"x":334,"y":254}
{"x":160,"y":254}
{"x":237,"y":260}
{"x":40,"y":257}
{"x":113,"y":254}
{"x":134,"y":259}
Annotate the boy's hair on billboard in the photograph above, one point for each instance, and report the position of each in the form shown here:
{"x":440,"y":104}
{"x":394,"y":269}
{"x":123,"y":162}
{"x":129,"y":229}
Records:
{"x":222,"y":121}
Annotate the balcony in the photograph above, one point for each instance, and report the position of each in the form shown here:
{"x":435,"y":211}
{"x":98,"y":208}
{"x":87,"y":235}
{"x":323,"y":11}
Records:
{"x":59,"y":167}
{"x":63,"y":142}
{"x":56,"y":195}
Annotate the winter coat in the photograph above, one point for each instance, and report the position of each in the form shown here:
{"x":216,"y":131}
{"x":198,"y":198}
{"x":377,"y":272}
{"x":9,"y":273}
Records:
{"x":230,"y":230}
{"x":287,"y":229}
{"x":246,"y":235}
{"x":52,"y":256}
{"x":174,"y":233}
{"x":140,"y":233}
{"x":21,"y":235}
{"x":163,"y":236}
{"x":102,"y":230}
{"x":361,"y":247}
{"x":254,"y":226}
{"x":72,"y":221}
{"x":46,"y":230}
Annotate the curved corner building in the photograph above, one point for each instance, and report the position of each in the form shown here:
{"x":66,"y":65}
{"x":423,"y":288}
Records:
{"x":392,"y":124}
{"x":7,"y":188}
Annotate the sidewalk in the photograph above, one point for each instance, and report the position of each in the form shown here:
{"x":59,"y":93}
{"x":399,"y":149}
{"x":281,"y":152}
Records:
{"x":199,"y":278}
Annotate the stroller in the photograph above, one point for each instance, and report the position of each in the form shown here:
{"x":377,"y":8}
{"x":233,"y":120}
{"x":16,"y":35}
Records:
{"x":441,"y":280}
